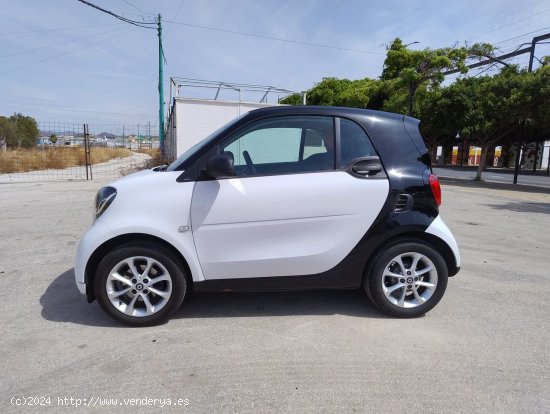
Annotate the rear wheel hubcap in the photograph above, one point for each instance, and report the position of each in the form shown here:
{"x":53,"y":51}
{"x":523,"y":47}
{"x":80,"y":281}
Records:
{"x":409,"y":280}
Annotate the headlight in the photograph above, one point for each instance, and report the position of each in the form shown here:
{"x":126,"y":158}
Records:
{"x":103,"y":200}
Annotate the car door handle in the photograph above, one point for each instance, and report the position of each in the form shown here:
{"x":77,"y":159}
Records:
{"x":366,"y":167}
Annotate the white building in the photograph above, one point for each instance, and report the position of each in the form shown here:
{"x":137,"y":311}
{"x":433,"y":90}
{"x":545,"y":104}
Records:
{"x":212,"y":105}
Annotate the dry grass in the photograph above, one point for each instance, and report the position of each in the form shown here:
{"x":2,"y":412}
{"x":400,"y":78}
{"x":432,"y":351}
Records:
{"x":54,"y":158}
{"x":156,"y":158}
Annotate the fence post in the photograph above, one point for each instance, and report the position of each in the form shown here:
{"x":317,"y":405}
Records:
{"x":87,"y":152}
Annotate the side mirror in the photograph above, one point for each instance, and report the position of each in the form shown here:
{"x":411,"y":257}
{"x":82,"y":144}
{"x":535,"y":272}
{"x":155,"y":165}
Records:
{"x":219,"y":166}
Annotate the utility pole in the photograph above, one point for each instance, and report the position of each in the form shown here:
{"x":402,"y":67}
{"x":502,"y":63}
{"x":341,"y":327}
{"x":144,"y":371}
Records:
{"x":145,"y":25}
{"x":161,"y":88}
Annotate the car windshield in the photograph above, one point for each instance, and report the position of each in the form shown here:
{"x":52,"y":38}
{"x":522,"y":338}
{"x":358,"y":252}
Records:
{"x":199,"y":145}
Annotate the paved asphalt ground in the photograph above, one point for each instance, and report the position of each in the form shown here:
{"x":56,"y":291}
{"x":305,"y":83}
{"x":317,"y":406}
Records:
{"x":484,"y":348}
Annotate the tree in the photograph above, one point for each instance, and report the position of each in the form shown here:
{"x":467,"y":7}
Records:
{"x":442,"y":114}
{"x":7,"y":133}
{"x":496,"y":108}
{"x":362,"y":93}
{"x":53,"y":138}
{"x":539,"y":92}
{"x":414,"y":68}
{"x":26,"y":131}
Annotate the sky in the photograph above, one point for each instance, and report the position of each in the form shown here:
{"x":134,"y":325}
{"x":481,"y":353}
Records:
{"x":63,"y":61}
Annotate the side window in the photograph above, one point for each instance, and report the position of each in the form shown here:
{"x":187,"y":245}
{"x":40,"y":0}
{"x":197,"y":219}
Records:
{"x":354,"y":142}
{"x":266,"y":146}
{"x":314,"y":143}
{"x":278,"y":145}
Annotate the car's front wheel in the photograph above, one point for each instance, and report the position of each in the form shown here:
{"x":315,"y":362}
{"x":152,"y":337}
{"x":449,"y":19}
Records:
{"x":139,"y":284}
{"x":406,"y":279}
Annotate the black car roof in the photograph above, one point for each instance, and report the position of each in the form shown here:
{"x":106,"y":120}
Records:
{"x":326,"y":110}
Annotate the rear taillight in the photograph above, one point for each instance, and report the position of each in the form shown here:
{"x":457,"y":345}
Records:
{"x":436,"y":188}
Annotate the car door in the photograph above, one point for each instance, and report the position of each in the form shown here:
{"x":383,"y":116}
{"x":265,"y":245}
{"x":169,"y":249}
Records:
{"x":289,"y":210}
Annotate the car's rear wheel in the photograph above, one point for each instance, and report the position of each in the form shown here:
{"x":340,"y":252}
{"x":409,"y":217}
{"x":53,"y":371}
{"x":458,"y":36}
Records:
{"x":406,"y":279}
{"x":140,"y":284}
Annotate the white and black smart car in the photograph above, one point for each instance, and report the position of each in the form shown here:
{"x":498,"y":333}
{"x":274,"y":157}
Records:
{"x":279,"y":198}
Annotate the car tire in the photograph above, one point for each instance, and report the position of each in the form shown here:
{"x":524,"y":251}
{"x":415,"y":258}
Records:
{"x":140,"y":284}
{"x":406,"y":279}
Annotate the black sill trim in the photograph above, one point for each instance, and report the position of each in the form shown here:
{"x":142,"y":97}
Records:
{"x":256,"y":284}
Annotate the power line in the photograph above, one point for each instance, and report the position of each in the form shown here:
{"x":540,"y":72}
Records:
{"x":116,"y":16}
{"x":510,"y":24}
{"x":523,"y":35}
{"x":58,"y":29}
{"x":492,"y":60}
{"x":158,"y":28}
{"x":109,"y":91}
{"x":57,"y":44}
{"x":72,"y":109}
{"x":62,"y":54}
{"x":135,"y":7}
{"x":174,"y":18}
{"x":217,"y":29}
{"x":498,"y":59}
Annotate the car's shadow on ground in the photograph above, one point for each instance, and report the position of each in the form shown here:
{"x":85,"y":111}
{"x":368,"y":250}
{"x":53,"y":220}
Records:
{"x":523,"y":207}
{"x":61,"y":302}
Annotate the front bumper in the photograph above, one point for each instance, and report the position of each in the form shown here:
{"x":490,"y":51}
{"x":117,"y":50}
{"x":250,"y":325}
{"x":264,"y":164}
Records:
{"x":94,"y":237}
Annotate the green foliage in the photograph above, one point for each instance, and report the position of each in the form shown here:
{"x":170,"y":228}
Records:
{"x":538,"y":92}
{"x":361,"y":93}
{"x":53,"y":138}
{"x":442,"y":113}
{"x":7,"y":133}
{"x":489,"y":110}
{"x":294,"y":99}
{"x":411,"y":69}
{"x":25,"y":131}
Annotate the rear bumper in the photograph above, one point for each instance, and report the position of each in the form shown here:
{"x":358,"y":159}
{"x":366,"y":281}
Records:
{"x":439,"y":229}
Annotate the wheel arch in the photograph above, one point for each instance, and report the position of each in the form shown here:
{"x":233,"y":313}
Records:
{"x":443,"y":248}
{"x":130,"y":238}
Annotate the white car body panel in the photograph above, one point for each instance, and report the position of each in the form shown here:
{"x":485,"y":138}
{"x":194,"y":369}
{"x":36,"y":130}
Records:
{"x":151,"y":203}
{"x":439,"y":229}
{"x":282,"y":225}
{"x":94,"y":237}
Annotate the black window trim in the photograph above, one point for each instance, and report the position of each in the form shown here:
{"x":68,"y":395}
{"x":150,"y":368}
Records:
{"x":198,"y":172}
{"x":217,"y":145}
{"x":337,"y":143}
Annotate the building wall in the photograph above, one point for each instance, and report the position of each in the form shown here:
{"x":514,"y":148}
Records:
{"x":546,"y":155}
{"x":192,"y":120}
